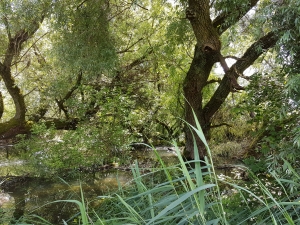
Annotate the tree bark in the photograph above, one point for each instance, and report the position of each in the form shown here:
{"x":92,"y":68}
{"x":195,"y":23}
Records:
{"x":194,"y":83}
{"x":17,"y":123}
{"x":15,"y":93}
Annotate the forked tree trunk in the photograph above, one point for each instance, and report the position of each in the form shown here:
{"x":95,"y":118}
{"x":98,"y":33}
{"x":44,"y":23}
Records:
{"x":207,"y":53}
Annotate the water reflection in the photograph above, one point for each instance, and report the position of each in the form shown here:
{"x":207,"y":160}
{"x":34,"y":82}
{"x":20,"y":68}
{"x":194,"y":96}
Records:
{"x":30,"y":195}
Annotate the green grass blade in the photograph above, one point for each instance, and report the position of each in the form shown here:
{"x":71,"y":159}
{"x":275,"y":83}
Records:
{"x":131,"y":210}
{"x":83,"y":211}
{"x":81,"y":206}
{"x":179,"y":201}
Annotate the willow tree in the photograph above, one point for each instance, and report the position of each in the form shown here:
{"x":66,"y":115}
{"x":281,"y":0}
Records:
{"x":18,"y":23}
{"x":210,"y":21}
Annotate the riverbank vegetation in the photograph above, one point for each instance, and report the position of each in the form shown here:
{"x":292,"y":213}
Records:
{"x":185,"y":194}
{"x":84,"y":82}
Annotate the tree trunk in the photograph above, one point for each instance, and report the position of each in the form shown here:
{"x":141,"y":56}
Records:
{"x":15,"y":93}
{"x":17,"y":124}
{"x":193,"y":84}
{"x":207,"y":53}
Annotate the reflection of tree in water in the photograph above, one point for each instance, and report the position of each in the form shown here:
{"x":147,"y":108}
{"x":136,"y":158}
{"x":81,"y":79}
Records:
{"x":7,"y":202}
{"x":20,"y":203}
{"x":15,"y":195}
{"x":30,"y":196}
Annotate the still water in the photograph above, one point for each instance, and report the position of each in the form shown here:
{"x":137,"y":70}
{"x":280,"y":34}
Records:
{"x":30,"y":195}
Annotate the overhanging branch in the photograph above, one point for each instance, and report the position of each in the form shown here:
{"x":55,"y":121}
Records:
{"x":138,"y":61}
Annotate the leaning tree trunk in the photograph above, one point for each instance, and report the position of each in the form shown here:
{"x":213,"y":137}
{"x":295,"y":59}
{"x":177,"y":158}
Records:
{"x":15,"y":93}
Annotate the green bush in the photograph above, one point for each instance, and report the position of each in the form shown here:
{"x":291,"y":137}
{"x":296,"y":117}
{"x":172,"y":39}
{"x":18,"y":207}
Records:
{"x":53,"y":151}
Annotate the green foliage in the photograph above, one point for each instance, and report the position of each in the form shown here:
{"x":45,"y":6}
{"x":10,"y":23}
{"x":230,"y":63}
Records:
{"x":6,"y":215}
{"x":275,"y":118}
{"x":184,"y":198}
{"x":18,"y":14}
{"x":231,"y":132}
{"x":293,"y":87}
{"x":256,"y":165}
{"x":131,"y":87}
{"x":81,"y":40}
{"x":170,"y":202}
{"x":230,"y":123}
{"x":53,"y":152}
{"x":178,"y":32}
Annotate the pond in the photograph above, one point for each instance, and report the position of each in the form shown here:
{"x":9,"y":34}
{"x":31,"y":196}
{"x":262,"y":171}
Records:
{"x":21,"y":194}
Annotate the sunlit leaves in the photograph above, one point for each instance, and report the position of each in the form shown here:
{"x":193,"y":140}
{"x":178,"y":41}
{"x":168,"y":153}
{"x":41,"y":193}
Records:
{"x":18,"y":14}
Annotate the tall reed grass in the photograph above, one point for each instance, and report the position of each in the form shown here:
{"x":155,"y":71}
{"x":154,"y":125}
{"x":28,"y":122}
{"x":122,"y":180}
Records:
{"x":190,"y":196}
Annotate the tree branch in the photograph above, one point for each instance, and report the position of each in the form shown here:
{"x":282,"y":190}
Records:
{"x":130,"y":46}
{"x":233,"y":80}
{"x":60,"y":103}
{"x":1,"y":105}
{"x":232,"y":57}
{"x":80,"y":4}
{"x":77,"y":84}
{"x":5,"y":21}
{"x":32,"y":46}
{"x":251,"y":54}
{"x":213,"y":81}
{"x":138,"y":61}
{"x":166,"y":126}
{"x":16,"y":42}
